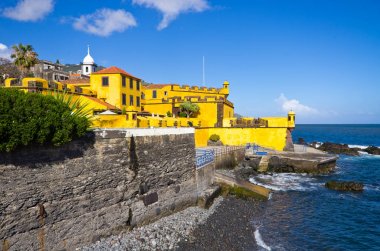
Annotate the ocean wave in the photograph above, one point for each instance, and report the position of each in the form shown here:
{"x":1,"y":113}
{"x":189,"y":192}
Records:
{"x":358,"y":146}
{"x":371,"y":187}
{"x":286,"y":182}
{"x":259,"y":240}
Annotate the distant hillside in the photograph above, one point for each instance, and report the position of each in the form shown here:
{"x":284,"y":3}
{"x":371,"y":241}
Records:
{"x":77,"y":67}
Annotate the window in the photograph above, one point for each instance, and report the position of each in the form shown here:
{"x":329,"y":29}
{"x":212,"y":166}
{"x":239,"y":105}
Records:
{"x":138,"y":85}
{"x":165,"y":93}
{"x":86,"y":68}
{"x":154,"y":94}
{"x":131,"y":83}
{"x":138,"y":101}
{"x":130,"y":100}
{"x":123,"y":99}
{"x":123,"y":81}
{"x":105,"y":81}
{"x":142,"y":95}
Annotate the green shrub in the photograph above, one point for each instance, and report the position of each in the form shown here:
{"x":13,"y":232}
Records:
{"x":169,"y":114}
{"x":182,"y":115}
{"x":215,"y":137}
{"x":30,"y":118}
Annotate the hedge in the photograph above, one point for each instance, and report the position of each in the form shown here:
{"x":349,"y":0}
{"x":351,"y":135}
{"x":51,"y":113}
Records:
{"x":31,"y":118}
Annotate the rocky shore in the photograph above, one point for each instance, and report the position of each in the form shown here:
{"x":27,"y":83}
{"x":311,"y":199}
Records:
{"x":164,"y":234}
{"x":224,"y":226}
{"x":228,"y":228}
{"x":336,"y":148}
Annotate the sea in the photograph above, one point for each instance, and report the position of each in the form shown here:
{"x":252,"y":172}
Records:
{"x":302,"y":214}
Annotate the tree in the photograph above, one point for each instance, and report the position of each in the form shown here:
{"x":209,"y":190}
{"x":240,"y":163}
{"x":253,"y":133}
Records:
{"x":189,"y":108}
{"x":24,"y":57}
{"x":8,"y":70}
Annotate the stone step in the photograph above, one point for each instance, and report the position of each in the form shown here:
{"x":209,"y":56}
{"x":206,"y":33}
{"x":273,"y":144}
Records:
{"x":264,"y":162}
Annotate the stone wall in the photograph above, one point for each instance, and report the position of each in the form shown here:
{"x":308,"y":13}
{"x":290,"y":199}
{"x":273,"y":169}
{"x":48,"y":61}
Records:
{"x":62,"y":198}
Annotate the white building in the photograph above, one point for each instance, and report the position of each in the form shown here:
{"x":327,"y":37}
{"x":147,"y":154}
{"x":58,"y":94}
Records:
{"x":88,"y":64}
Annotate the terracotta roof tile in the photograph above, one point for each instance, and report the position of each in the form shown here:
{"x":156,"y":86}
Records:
{"x":114,"y":70}
{"x":109,"y":106}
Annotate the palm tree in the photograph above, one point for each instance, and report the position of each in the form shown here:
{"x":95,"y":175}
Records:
{"x":24,"y":57}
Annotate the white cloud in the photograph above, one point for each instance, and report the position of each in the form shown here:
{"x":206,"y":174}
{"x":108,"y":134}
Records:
{"x":294,"y":105}
{"x":5,"y":51}
{"x":29,"y":10}
{"x":172,"y":8}
{"x":104,"y":22}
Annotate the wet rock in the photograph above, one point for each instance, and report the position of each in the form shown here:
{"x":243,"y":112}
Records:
{"x":344,"y":185}
{"x":245,"y":173}
{"x":372,"y":150}
{"x":338,"y":149}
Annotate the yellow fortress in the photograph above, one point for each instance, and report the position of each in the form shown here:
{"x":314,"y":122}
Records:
{"x":118,"y":99}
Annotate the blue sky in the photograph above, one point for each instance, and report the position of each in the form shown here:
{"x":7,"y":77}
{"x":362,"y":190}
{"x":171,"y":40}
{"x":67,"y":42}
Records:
{"x":320,"y":58}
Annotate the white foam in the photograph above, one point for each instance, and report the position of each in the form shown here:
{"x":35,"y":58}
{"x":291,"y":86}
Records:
{"x":285,"y":182}
{"x":358,"y":146}
{"x":363,"y":153}
{"x":260,"y":242}
{"x":270,"y":196}
{"x":371,"y":187}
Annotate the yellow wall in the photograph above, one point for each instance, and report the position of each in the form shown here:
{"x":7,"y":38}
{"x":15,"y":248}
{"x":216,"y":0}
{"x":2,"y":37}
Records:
{"x":228,"y":111}
{"x":208,"y":108}
{"x":112,"y":93}
{"x":274,"y":138}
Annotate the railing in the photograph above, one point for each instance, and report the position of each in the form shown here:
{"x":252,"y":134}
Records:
{"x":226,"y":149}
{"x":207,"y":156}
{"x":204,"y":157}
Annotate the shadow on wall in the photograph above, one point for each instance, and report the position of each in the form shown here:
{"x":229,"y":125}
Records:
{"x":36,"y":155}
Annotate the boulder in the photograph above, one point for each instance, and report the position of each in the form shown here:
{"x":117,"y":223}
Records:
{"x":338,"y":149}
{"x":301,"y":141}
{"x":372,"y":150}
{"x":344,"y":185}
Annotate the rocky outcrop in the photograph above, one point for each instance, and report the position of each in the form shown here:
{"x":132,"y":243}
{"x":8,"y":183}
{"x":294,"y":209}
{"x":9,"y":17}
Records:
{"x":338,"y":149}
{"x":344,"y":185}
{"x":248,"y":167}
{"x":372,"y":150}
{"x":302,"y":163}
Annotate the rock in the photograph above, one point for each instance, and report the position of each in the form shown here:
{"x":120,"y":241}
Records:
{"x":301,"y":141}
{"x":338,"y":149}
{"x":245,"y":172}
{"x":344,"y":185}
{"x":372,"y":150}
{"x":252,"y":162}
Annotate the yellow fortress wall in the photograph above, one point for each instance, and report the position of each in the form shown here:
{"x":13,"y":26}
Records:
{"x":117,"y":99}
{"x":274,"y":138}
